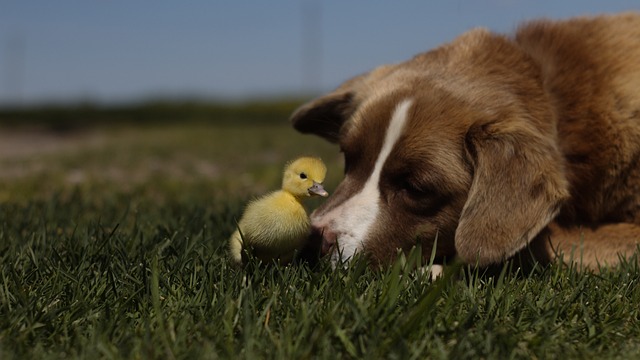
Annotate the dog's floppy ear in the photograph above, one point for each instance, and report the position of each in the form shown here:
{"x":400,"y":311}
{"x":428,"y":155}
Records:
{"x":324,"y":116}
{"x":517,"y":189}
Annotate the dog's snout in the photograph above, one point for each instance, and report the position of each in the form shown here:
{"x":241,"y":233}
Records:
{"x":326,"y":237}
{"x":328,"y":241}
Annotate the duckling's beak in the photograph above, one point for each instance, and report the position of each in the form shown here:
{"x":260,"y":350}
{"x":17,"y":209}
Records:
{"x":317,"y":189}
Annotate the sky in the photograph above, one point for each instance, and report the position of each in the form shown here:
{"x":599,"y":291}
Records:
{"x":123,"y":51}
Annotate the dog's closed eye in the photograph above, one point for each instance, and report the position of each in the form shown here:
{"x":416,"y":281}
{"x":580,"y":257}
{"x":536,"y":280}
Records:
{"x":413,"y":188}
{"x":411,"y":185}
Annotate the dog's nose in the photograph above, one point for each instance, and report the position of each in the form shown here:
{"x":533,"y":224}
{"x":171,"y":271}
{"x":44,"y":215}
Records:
{"x":328,"y":238}
{"x":328,"y":241}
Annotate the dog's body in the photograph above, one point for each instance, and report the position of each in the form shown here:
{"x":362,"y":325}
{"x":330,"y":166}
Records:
{"x":491,"y":145}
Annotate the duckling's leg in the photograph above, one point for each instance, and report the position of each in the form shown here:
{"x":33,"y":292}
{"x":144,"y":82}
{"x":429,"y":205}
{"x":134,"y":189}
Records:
{"x":235,"y":248}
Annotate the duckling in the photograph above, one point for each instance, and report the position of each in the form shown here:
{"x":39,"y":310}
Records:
{"x":276,"y":225}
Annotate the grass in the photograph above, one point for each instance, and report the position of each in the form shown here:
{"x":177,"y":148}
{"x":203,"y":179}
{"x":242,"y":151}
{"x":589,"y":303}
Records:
{"x":116,"y":248}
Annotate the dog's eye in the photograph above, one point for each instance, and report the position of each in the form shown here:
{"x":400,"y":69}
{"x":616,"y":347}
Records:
{"x":412,"y":189}
{"x":303,"y":176}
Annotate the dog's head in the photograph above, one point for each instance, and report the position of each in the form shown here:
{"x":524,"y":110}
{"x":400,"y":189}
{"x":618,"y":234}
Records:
{"x":456,"y":146}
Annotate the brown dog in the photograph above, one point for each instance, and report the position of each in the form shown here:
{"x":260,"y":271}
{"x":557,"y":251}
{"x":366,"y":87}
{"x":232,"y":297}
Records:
{"x":491,"y":145}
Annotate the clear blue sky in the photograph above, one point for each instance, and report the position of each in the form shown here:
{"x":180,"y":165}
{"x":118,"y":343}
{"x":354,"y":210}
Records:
{"x":109,"y":51}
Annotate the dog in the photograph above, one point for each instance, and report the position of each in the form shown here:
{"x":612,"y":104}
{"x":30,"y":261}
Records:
{"x":490,"y":147}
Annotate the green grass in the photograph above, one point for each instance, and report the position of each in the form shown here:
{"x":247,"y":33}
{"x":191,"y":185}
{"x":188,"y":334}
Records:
{"x":128,"y":260}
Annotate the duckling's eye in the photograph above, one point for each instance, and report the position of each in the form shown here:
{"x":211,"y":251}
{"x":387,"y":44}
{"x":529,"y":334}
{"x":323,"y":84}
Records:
{"x":303,"y":176}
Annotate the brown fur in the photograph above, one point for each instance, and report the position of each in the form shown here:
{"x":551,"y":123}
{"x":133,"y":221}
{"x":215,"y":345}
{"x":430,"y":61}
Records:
{"x":520,"y":143}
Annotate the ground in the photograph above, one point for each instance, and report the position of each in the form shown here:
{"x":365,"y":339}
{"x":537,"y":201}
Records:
{"x":113,"y":245}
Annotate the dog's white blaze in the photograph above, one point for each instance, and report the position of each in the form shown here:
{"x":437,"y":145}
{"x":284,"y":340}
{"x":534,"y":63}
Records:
{"x":353,"y":219}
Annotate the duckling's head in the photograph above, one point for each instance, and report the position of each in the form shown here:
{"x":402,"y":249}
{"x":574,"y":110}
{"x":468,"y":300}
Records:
{"x":304,"y":177}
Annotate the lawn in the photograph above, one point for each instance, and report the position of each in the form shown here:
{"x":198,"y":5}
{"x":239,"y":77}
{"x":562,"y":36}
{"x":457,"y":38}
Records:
{"x":113,"y":245}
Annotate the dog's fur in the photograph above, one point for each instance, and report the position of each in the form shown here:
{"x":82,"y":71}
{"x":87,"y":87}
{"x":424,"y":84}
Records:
{"x":504,"y":145}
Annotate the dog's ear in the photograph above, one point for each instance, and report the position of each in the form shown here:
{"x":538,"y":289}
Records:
{"x":325,"y":116}
{"x":517,"y":189}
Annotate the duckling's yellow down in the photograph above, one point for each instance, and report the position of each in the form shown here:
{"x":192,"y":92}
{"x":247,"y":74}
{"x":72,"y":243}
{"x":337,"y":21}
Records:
{"x":276,"y":225}
{"x":273,"y":226}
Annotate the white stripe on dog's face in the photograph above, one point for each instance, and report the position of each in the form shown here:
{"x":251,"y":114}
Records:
{"x":352,"y":220}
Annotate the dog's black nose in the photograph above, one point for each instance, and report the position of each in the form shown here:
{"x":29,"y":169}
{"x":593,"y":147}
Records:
{"x":312,"y":249}
{"x":325,"y":237}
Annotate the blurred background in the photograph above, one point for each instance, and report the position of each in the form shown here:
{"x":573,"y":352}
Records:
{"x":137,"y":96}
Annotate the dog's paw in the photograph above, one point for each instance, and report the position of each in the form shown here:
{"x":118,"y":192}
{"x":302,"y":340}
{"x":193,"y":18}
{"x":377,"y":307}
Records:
{"x":436,"y":271}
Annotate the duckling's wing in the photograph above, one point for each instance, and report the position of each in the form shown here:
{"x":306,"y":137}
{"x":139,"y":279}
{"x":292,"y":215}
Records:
{"x":275,"y":221}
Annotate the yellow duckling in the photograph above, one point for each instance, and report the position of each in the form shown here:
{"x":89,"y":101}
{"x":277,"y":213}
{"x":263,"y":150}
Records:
{"x":276,"y":225}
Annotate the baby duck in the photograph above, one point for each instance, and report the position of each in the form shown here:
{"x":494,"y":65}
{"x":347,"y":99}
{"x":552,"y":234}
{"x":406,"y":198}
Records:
{"x":276,"y":225}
